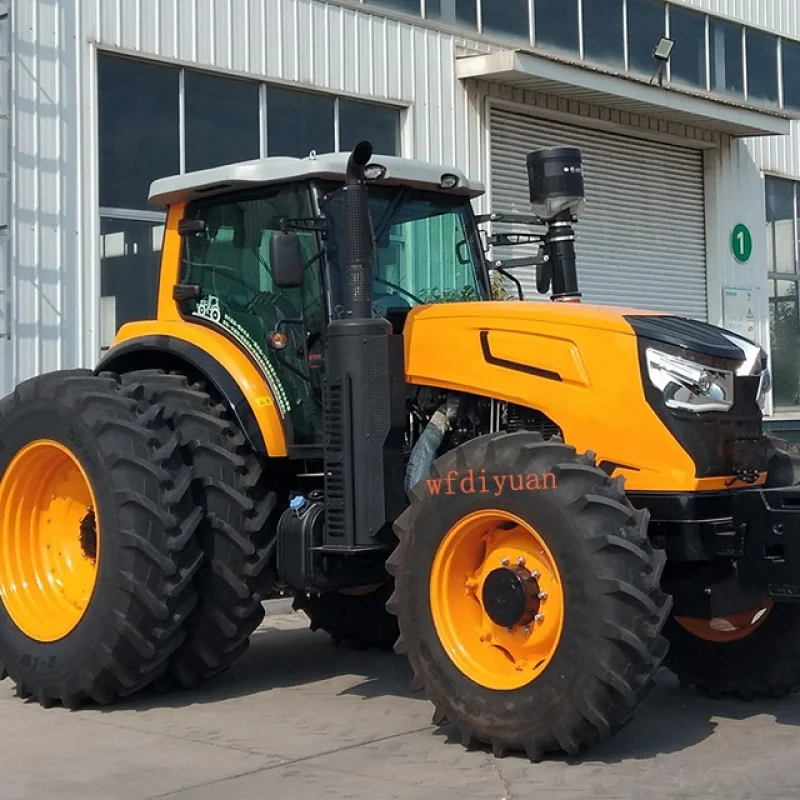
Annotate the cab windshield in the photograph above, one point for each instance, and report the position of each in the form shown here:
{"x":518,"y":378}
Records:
{"x":427,"y":249}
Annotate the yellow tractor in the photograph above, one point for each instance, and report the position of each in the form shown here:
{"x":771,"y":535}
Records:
{"x":536,"y":503}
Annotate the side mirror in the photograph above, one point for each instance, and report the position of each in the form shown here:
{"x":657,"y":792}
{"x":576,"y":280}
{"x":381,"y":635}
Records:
{"x":286,"y":259}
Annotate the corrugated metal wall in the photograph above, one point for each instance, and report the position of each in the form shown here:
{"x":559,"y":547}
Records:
{"x":5,"y":176}
{"x":45,"y":321}
{"x":54,"y":219}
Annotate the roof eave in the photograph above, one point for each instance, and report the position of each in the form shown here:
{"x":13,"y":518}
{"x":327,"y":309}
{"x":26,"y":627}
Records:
{"x":584,"y":83}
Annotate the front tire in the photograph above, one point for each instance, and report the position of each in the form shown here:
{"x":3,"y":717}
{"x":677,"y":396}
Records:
{"x":360,"y":619}
{"x":573,"y":674}
{"x":97,"y":538}
{"x":752,"y":660}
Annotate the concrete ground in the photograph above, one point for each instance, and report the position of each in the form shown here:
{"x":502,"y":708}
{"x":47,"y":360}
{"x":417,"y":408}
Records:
{"x":298,"y":718}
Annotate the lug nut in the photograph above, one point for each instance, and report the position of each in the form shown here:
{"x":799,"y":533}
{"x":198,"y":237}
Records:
{"x":509,"y":630}
{"x":542,"y":595}
{"x":539,"y":617}
{"x":521,"y":561}
{"x":504,"y":561}
{"x":535,"y":574}
{"x":526,"y":629}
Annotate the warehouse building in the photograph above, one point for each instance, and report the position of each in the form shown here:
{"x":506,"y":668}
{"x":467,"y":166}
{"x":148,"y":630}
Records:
{"x":686,"y":112}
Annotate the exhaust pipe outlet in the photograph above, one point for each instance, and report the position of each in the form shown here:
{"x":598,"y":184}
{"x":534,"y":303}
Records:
{"x":359,"y":241}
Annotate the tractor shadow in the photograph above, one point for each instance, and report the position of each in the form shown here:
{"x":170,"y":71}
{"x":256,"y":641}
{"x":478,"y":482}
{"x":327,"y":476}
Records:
{"x":286,"y":659}
{"x":670,"y":721}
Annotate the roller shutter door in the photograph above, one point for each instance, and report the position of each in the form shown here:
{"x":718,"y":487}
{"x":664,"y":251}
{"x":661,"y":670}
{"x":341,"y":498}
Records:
{"x":641,"y":237}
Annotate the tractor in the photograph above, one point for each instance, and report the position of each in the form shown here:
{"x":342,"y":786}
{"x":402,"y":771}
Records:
{"x":539,"y":504}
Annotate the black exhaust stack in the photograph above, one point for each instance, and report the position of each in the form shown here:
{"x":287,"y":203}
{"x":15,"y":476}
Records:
{"x":364,"y":395}
{"x":555,"y":178}
{"x":359,"y":245}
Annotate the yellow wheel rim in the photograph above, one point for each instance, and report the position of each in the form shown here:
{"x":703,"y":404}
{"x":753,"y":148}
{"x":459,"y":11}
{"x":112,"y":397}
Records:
{"x":497,"y":599}
{"x":49,"y":541}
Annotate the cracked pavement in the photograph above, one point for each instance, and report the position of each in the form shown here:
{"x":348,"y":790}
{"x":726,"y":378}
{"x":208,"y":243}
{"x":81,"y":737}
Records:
{"x":298,"y":718}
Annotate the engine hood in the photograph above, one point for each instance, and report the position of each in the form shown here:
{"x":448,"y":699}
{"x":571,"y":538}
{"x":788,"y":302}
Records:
{"x":582,"y":367}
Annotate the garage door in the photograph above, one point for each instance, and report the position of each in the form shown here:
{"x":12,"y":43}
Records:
{"x":641,"y":236}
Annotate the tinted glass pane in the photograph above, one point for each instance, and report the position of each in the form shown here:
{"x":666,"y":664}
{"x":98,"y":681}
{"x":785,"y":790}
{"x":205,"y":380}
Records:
{"x":791,"y":74}
{"x":785,"y":340}
{"x":298,"y":122}
{"x":688,"y":62}
{"x":603,"y":35}
{"x":556,"y":24}
{"x":780,"y":225}
{"x":221,"y":120}
{"x":377,"y":124}
{"x":456,"y":12}
{"x":130,"y":256}
{"x":406,"y":6}
{"x":509,"y":18}
{"x":727,"y":72}
{"x":138,"y":129}
{"x":645,"y":27}
{"x":762,"y":67}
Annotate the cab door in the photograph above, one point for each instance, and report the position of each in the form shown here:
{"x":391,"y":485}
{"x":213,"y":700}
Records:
{"x":230,"y":262}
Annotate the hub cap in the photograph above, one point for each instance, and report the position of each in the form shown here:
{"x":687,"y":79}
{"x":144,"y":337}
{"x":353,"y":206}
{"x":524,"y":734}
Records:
{"x":497,"y":599}
{"x":49,"y":541}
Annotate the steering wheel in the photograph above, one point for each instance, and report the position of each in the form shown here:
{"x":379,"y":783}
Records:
{"x":399,"y":289}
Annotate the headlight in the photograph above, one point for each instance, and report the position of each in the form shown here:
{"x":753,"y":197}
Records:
{"x":688,"y":385}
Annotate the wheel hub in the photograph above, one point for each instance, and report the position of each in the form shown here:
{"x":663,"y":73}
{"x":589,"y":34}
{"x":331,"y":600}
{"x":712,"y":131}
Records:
{"x":511,"y":596}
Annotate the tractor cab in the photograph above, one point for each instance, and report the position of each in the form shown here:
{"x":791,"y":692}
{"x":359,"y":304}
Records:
{"x":264,"y":256}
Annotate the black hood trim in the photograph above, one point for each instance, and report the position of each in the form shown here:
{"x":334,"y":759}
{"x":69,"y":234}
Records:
{"x":688,"y":334}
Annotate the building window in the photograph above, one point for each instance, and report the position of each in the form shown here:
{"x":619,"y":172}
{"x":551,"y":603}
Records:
{"x":299,"y":122}
{"x":509,"y":19}
{"x":688,"y":63}
{"x":791,"y":74}
{"x":556,"y":25}
{"x":603,"y":33}
{"x":727,"y":64}
{"x":762,"y":67}
{"x":782,"y":259}
{"x":454,"y":12}
{"x":138,"y":128}
{"x":646,"y":26}
{"x":211,"y":102}
{"x":140,"y":108}
{"x":378,"y":124}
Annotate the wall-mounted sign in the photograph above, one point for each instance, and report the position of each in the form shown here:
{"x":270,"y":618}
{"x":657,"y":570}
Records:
{"x":742,"y":243}
{"x":737,"y":311}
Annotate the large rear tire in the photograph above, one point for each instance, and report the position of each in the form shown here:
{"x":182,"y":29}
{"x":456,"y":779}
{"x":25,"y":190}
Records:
{"x":98,"y":551}
{"x":577,"y":554}
{"x":237,"y":532}
{"x":760,"y":659}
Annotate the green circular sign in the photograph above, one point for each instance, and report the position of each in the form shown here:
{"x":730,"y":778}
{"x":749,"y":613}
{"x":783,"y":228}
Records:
{"x":742,"y":243}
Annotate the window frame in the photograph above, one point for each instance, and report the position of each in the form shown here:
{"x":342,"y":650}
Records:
{"x":790,"y":277}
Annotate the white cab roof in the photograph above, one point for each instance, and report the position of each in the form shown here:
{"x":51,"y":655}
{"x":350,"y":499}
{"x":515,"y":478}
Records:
{"x":267,"y":171}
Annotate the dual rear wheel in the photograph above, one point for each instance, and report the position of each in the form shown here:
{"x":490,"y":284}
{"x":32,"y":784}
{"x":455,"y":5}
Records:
{"x":140,"y":491}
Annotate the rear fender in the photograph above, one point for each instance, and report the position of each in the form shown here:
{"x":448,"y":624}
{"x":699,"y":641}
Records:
{"x":177,"y":346}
